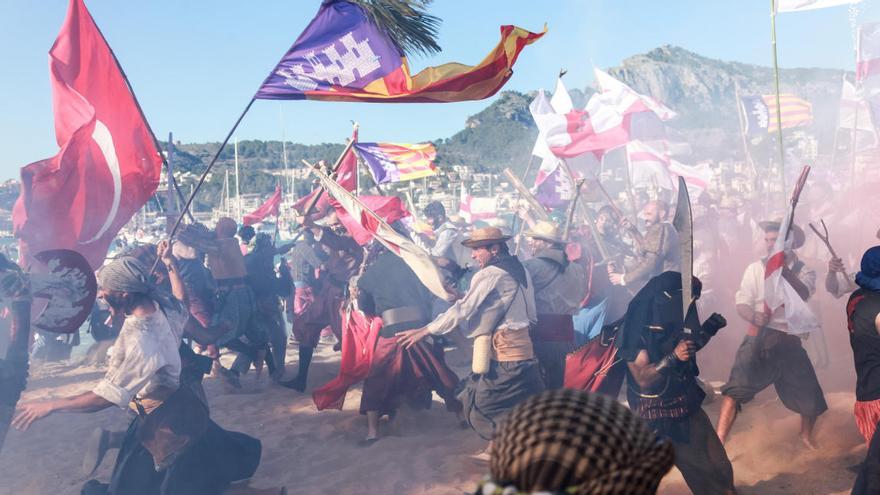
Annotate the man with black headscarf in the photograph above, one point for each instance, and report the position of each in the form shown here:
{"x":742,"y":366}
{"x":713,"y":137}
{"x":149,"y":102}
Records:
{"x":660,"y":347}
{"x":499,"y":308}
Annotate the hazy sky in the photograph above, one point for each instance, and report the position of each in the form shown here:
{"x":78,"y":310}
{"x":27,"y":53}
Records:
{"x":194,"y":64}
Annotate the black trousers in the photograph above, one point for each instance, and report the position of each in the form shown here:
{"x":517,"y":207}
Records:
{"x":868,"y":481}
{"x":214,"y":461}
{"x":703,"y":461}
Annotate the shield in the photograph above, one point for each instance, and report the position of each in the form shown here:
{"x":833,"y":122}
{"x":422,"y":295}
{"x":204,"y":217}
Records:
{"x":67,"y":283}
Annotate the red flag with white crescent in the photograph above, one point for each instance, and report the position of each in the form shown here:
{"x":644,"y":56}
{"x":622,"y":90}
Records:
{"x":108,"y":165}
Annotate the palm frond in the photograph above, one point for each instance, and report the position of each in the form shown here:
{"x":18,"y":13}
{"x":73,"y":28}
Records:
{"x":407,"y":22}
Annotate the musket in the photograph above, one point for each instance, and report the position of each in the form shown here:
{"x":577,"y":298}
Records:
{"x":824,"y":239}
{"x":527,"y":195}
{"x":569,"y":216}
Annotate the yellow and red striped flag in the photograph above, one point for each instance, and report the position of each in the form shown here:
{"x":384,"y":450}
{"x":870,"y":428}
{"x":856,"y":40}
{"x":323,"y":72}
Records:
{"x":760,"y":113}
{"x":390,"y":162}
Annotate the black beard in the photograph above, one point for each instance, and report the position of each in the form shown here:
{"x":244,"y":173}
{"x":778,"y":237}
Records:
{"x":120,"y":304}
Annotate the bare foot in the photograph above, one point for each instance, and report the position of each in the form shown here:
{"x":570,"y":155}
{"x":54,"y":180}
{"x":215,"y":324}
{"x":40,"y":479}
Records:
{"x":808,"y":442}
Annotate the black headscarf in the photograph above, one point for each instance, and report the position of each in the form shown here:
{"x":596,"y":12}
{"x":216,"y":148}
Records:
{"x":653,"y":313}
{"x":512,"y":266}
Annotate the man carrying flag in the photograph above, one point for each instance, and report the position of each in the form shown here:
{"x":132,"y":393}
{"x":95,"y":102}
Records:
{"x":772,"y":300}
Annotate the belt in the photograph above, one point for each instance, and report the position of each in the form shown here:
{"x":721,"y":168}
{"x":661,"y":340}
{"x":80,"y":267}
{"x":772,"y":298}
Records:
{"x":403,"y":314}
{"x":232,"y":282}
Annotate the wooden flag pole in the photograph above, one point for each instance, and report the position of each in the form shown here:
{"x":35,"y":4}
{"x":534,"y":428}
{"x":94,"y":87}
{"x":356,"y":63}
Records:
{"x":778,"y":102}
{"x":742,"y":133}
{"x":526,"y":194}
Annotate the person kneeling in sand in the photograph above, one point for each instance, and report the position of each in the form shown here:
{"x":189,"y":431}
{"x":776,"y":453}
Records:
{"x":161,"y":453}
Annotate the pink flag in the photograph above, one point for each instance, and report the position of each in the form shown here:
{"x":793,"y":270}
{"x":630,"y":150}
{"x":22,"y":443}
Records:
{"x":346,"y":176}
{"x":606,"y":122}
{"x":267,"y":209}
{"x":553,"y":186}
{"x":389,"y":208}
{"x":108,"y":165}
{"x":868,"y":51}
{"x":778,"y":292}
{"x":417,"y":258}
{"x":473,"y":208}
{"x":652,"y":166}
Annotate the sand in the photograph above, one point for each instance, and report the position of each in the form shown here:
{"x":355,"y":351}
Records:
{"x":425,"y":452}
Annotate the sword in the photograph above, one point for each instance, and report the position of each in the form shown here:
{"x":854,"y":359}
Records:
{"x":684,"y":225}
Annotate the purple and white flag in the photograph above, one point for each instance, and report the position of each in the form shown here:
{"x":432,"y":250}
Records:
{"x":339,"y":48}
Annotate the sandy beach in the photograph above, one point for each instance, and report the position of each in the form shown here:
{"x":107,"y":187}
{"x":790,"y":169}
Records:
{"x":424,"y":453}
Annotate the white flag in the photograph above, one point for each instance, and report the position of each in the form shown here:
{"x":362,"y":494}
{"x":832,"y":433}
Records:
{"x":417,"y":258}
{"x":799,"y":5}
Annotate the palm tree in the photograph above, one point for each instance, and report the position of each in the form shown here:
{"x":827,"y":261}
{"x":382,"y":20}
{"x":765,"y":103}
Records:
{"x":406,"y":22}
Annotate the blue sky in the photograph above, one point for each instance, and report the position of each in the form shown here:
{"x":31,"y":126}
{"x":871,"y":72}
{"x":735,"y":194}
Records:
{"x":194,"y":64}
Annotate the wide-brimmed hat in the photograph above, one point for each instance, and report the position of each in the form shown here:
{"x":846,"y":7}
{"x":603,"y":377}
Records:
{"x":798,"y":236}
{"x":544,"y":230}
{"x":484,"y":237}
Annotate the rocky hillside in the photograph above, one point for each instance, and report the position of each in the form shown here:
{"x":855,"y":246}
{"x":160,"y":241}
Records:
{"x":702,"y":90}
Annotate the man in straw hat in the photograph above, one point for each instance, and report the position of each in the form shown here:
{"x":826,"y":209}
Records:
{"x":499,"y":308}
{"x":769,"y":353}
{"x":559,"y":289}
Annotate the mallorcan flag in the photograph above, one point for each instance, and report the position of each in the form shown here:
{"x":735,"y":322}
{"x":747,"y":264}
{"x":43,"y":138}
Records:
{"x":761,"y":117}
{"x":343,"y":56}
{"x":390,"y":162}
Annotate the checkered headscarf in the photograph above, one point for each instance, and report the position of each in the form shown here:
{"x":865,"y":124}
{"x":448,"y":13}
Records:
{"x":573,"y":442}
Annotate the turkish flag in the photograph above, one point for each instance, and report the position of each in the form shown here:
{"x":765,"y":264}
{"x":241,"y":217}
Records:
{"x":108,"y":165}
{"x":346,"y":176}
{"x":269,"y":208}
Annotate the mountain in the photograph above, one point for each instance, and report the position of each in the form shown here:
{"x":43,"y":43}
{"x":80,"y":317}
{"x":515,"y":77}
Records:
{"x":702,"y":90}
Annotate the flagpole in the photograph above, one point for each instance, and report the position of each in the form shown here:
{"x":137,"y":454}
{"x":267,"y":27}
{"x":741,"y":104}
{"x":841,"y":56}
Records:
{"x":778,"y":103}
{"x":629,"y":188}
{"x":742,"y":133}
{"x":201,"y":181}
{"x":237,"y":184}
{"x":837,"y":127}
{"x":519,"y":195}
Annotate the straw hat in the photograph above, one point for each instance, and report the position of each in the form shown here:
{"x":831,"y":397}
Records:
{"x":484,"y":237}
{"x":797,"y":233}
{"x":544,"y":230}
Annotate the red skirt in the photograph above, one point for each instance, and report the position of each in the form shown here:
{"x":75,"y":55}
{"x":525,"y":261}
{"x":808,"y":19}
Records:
{"x":315,"y":310}
{"x":397,"y":375}
{"x":867,"y":415}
